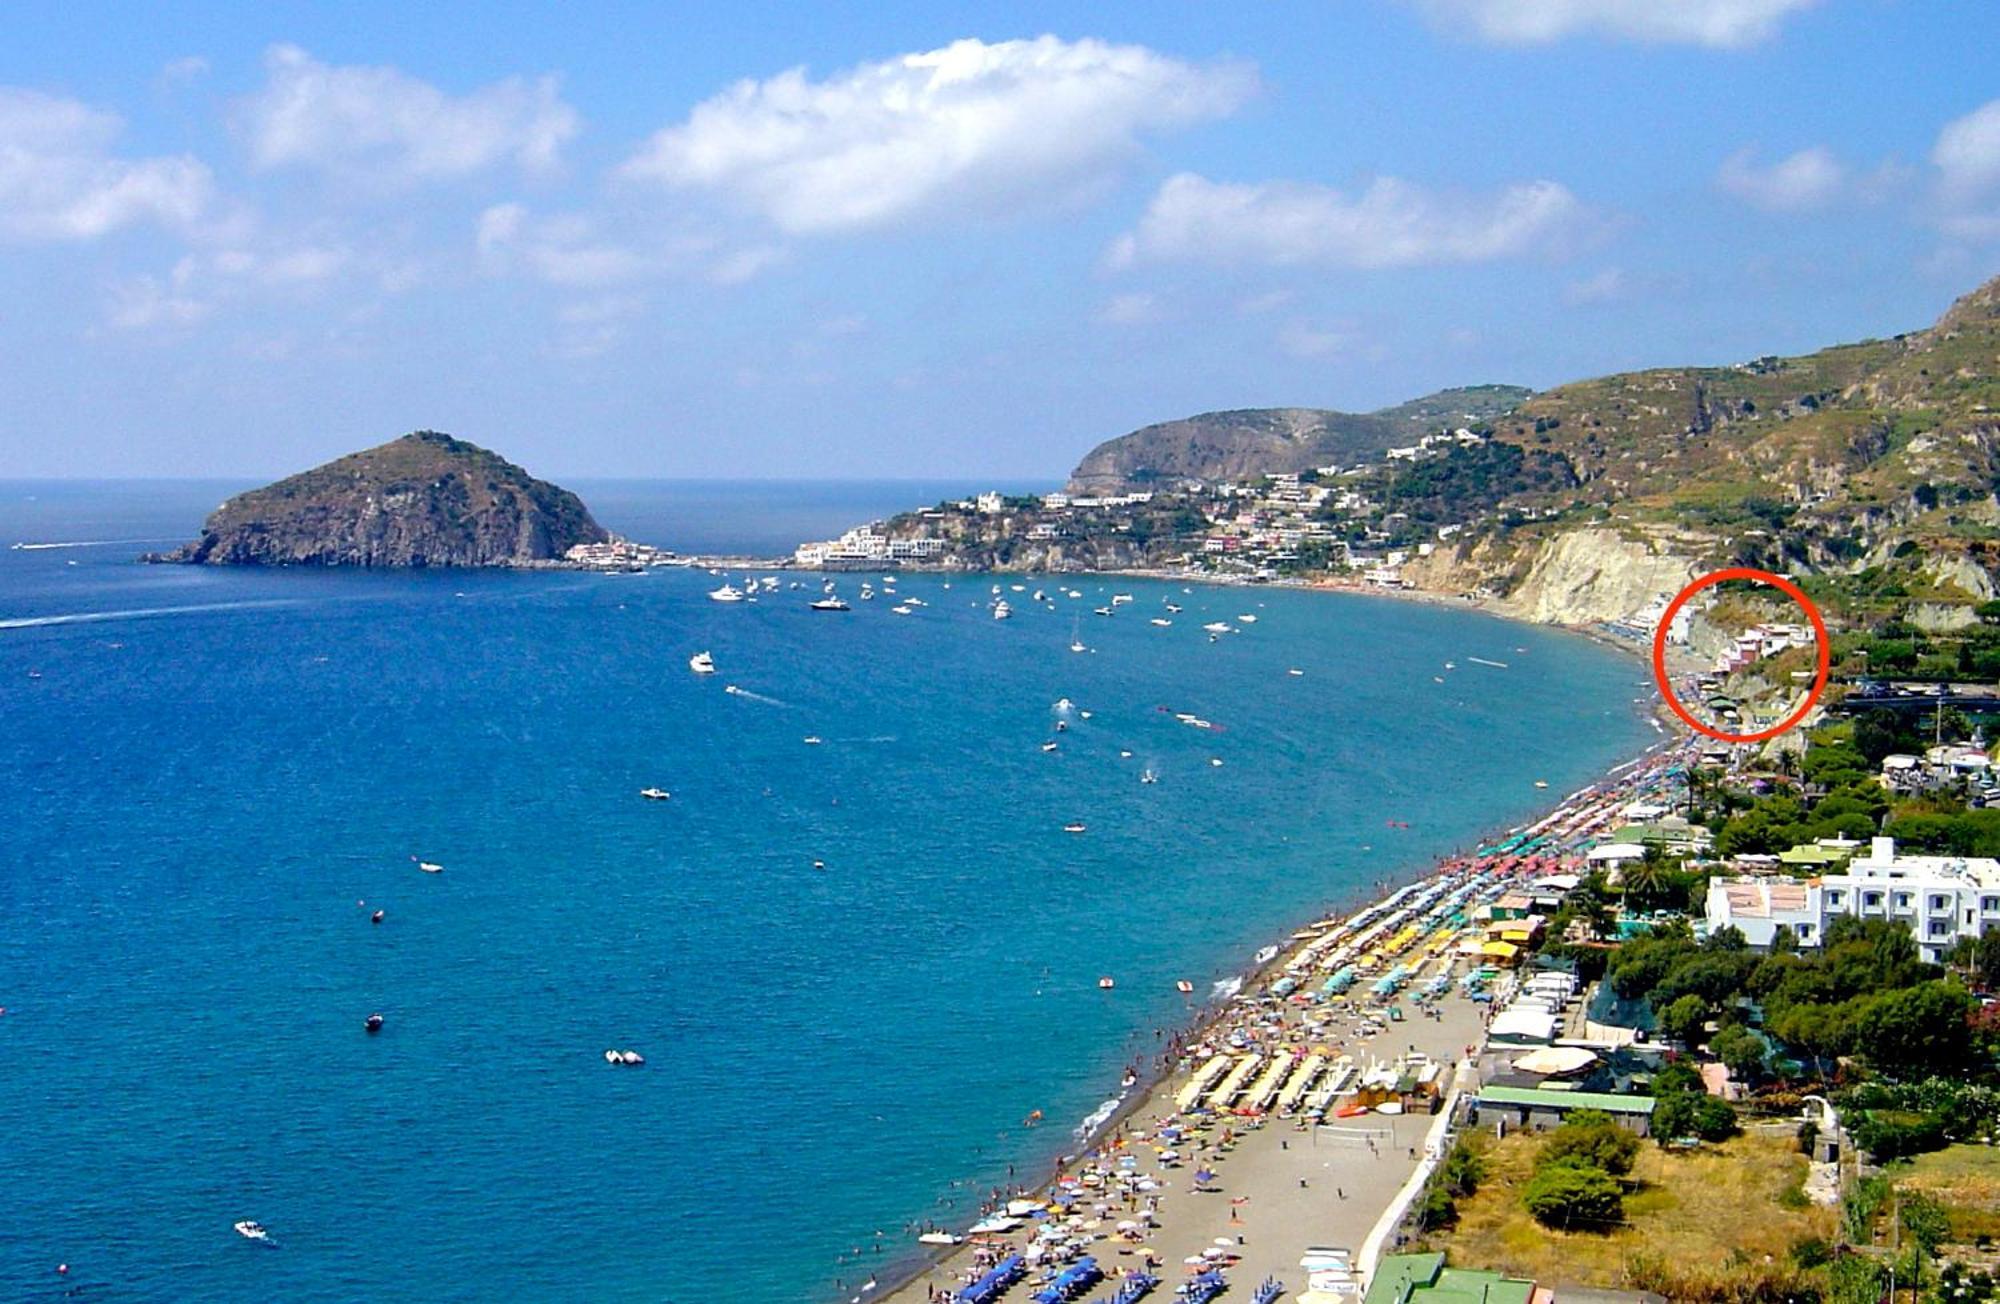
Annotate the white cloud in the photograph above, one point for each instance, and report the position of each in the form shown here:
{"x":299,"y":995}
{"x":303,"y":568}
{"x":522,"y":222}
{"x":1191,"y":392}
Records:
{"x":60,"y":180}
{"x":972,"y":128}
{"x":1967,"y":155}
{"x":1607,"y":286}
{"x":1301,"y":340}
{"x":1720,"y":24}
{"x":1811,"y":178}
{"x":386,"y":126}
{"x":1130,"y":310}
{"x":1391,"y":223}
{"x":572,"y":251}
{"x":203,"y":282}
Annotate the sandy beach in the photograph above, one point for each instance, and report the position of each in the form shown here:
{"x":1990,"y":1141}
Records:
{"x":1281,"y":1181}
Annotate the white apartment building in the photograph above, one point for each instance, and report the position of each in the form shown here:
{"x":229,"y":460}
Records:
{"x":1940,"y":898}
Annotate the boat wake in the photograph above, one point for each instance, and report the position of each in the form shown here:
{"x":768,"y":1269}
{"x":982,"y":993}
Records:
{"x":1225,"y":989}
{"x":137,"y":613}
{"x":87,"y":543}
{"x":749,"y":696}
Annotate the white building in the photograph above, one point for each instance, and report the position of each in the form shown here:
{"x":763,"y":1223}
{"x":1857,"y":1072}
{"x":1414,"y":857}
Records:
{"x":991,"y":504}
{"x":1940,"y":898}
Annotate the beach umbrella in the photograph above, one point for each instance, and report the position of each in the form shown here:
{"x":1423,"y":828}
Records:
{"x":1203,"y":1176}
{"x":1225,"y":1242}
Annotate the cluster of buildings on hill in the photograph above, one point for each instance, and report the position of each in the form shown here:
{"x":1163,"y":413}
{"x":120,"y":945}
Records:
{"x":616,"y":554}
{"x":1325,"y":518}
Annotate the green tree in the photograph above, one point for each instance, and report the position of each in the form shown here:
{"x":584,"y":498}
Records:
{"x":1856,"y":1279}
{"x":1918,"y":1031}
{"x":1590,"y":1137}
{"x":1692,"y":1114}
{"x":1742,"y":1050}
{"x":1574,"y":1197}
{"x":1685,"y":1020}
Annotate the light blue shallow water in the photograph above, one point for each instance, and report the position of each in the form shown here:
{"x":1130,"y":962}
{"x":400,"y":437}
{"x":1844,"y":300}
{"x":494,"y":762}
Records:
{"x":199,"y":800}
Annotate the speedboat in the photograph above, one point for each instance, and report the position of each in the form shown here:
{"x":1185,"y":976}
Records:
{"x":655,"y":794}
{"x":1102,"y":611}
{"x":1173,"y":606}
{"x":1064,"y":704}
{"x":727,"y":593}
{"x":1248,"y":620}
{"x":829,"y":603}
{"x":1001,"y":610}
{"x":1074,"y":826}
{"x":429,"y":866}
{"x":1048,"y":746}
{"x":1216,"y":627}
{"x":1149,"y":777}
{"x":1120,"y":599}
{"x":812,"y":740}
{"x":1295,"y":671}
{"x":702,"y":663}
{"x":901,"y":609}
{"x":1161,"y":621}
{"x":251,"y":1229}
{"x":1076,"y":645}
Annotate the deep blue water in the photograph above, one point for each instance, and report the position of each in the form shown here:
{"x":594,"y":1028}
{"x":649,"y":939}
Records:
{"x":198,"y":801}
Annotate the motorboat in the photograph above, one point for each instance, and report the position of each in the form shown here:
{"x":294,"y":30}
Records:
{"x":1216,"y":627}
{"x":1149,"y":777}
{"x":429,"y":866}
{"x":727,"y":593}
{"x":1106,"y":983}
{"x":812,"y":740}
{"x":1075,"y":826}
{"x":376,"y":918}
{"x":253,"y":1230}
{"x":373,"y":1023}
{"x":1048,"y":747}
{"x":1077,"y":645}
{"x":1102,"y":611}
{"x":939,"y":1238}
{"x":901,"y":609}
{"x":655,"y":794}
{"x":1161,"y":621}
{"x":1062,"y":726}
{"x":829,"y":603}
{"x":1064,"y":704}
{"x":1120,"y":599}
{"x":1295,"y":671}
{"x":1001,"y":610}
{"x":1174,"y":607}
{"x":702,"y":663}
{"x":1247,"y":620}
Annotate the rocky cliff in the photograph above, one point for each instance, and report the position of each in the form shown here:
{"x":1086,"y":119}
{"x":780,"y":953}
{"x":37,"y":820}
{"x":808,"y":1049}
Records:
{"x":425,"y":500}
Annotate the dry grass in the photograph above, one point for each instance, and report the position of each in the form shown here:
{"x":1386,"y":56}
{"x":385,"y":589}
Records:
{"x":1714,"y":1209}
{"x":1965,"y":1179}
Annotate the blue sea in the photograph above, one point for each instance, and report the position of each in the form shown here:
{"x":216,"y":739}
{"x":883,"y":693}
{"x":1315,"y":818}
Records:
{"x":219,"y":774}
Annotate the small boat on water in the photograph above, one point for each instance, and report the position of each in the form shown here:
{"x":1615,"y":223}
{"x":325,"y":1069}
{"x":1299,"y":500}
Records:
{"x":1048,"y":747}
{"x":1184,"y":987}
{"x":1215,"y":761}
{"x":428,"y":866}
{"x":702,"y":663}
{"x":373,"y":1023}
{"x":1120,"y":599}
{"x":1295,"y":671}
{"x":1248,"y":620}
{"x":829,"y":603}
{"x":1105,"y":983}
{"x":631,"y":1057}
{"x":812,"y":740}
{"x":727,"y":593}
{"x":939,"y":1238}
{"x":1217,"y":627}
{"x":1149,"y":777}
{"x":1001,"y":610}
{"x":1541,"y":783}
{"x":1161,"y":621}
{"x":901,"y":609}
{"x":376,"y":918}
{"x":655,"y":794}
{"x":1076,"y":826}
{"x":1102,"y":611}
{"x":1173,"y":606}
{"x":1064,"y":704}
{"x":251,"y":1229}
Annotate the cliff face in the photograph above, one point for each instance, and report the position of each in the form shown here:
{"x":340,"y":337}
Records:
{"x":1251,"y":442}
{"x":1579,"y":577}
{"x":425,"y":500}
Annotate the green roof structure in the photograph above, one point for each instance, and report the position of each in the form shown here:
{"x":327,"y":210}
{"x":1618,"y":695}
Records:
{"x":1543,"y":1098}
{"x":1424,"y":1279}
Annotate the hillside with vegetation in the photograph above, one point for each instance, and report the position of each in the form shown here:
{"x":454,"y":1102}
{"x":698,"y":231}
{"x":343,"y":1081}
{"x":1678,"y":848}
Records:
{"x":1216,"y":446}
{"x":425,"y":500}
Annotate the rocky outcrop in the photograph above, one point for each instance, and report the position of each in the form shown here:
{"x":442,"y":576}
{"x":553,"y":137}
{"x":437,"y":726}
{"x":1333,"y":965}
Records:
{"x":425,"y":500}
{"x":1579,"y":577}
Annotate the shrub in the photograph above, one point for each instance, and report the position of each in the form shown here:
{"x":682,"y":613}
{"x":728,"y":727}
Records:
{"x":1590,"y":1138}
{"x":1572,"y":1195}
{"x":1691,"y":1114}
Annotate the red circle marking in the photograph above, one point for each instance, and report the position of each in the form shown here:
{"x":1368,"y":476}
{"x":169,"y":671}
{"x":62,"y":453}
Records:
{"x":1784,"y":586}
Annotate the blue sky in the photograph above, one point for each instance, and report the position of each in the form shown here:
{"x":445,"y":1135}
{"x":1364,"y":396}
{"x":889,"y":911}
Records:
{"x":937,"y":239}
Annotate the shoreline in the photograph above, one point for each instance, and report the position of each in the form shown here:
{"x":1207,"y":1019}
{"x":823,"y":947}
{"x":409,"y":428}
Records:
{"x":896,"y":1283}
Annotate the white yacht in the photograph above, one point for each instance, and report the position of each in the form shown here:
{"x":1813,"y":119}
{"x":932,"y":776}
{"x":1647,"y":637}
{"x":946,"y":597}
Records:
{"x":901,"y":608}
{"x":829,"y":603}
{"x":1216,"y":627}
{"x":727,"y":593}
{"x":1001,"y":610}
{"x":1248,"y":620}
{"x":1161,"y":621}
{"x":1120,"y":599}
{"x":253,"y":1230}
{"x":702,"y":663}
{"x":655,"y":794}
